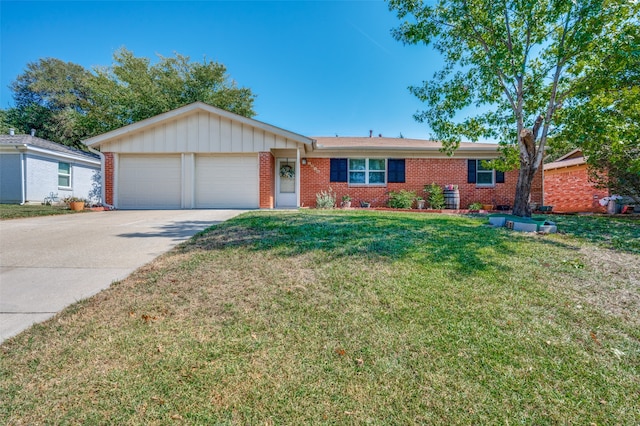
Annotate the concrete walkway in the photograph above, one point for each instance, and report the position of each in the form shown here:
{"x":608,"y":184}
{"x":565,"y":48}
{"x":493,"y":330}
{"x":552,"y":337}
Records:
{"x":48,"y":263}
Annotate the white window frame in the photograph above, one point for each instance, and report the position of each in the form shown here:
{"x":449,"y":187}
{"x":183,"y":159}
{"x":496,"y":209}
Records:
{"x":366,"y":172}
{"x":484,"y":172}
{"x":68,"y":175}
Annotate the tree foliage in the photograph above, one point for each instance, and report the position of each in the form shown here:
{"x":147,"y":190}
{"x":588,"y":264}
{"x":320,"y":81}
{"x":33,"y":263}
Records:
{"x":51,"y":96}
{"x":514,"y":61}
{"x":133,"y":89}
{"x":603,"y":117}
{"x":66,"y":103}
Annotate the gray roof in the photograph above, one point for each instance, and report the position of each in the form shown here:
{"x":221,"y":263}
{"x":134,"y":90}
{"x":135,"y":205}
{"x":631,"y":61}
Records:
{"x":45,"y":144}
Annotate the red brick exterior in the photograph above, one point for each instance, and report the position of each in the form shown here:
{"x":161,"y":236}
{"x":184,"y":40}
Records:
{"x":568,"y":189}
{"x":418,"y":173}
{"x":267,"y":180}
{"x":108,"y":177}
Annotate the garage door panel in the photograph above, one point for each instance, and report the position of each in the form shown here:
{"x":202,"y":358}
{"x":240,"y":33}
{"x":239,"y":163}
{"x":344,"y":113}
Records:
{"x":226,"y":182}
{"x":150,"y":182}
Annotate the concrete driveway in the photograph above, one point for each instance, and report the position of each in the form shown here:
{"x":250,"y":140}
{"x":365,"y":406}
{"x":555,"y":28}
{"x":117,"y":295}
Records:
{"x":48,"y":263}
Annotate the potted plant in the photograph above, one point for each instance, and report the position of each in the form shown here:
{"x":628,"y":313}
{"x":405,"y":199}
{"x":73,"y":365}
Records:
{"x":420,"y":202}
{"x":75,"y":203}
{"x":346,"y":201}
{"x":365,"y":204}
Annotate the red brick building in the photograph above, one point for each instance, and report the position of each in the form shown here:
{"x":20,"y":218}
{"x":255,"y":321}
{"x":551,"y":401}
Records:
{"x":567,"y":186}
{"x":373,"y":166}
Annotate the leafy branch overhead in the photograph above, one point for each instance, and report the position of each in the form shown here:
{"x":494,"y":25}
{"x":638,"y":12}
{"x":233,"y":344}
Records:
{"x":509,"y":66}
{"x":67,"y":103}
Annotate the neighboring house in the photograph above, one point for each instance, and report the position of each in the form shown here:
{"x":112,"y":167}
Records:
{"x":199,"y":156}
{"x":33,"y":169}
{"x":567,"y":186}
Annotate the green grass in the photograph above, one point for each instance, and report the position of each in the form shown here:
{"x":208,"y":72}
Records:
{"x":16,"y":211}
{"x":357,"y":317}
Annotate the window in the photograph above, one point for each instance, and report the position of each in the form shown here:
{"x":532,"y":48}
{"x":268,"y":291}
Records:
{"x":483,"y":176}
{"x":64,"y":175}
{"x":367,"y":171}
{"x":362,"y":171}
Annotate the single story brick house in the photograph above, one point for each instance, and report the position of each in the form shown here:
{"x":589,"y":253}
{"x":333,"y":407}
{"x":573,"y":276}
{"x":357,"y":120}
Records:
{"x":567,"y":186}
{"x":200,"y":156}
{"x":32,"y":169}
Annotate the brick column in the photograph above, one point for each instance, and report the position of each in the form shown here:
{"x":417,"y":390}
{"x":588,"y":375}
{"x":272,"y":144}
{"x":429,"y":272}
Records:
{"x":267,"y":180}
{"x":108,"y":177}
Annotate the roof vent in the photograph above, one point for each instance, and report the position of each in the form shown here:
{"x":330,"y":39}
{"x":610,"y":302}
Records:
{"x":12,"y":132}
{"x":33,"y":132}
{"x":370,"y":133}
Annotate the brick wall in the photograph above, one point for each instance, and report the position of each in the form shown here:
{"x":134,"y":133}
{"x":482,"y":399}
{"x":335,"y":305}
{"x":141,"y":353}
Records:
{"x":267,"y":180}
{"x":568,"y":189}
{"x":418,"y":172}
{"x":108,"y":177}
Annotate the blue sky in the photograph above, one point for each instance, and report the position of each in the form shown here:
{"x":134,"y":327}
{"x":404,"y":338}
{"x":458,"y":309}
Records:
{"x":318,"y":68}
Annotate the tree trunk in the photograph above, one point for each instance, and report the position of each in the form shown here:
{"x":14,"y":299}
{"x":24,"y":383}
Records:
{"x":528,"y":169}
{"x":523,"y":191}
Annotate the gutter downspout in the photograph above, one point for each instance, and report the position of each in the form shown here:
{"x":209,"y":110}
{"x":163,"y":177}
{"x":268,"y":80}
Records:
{"x":23,"y":189}
{"x":102,"y":178}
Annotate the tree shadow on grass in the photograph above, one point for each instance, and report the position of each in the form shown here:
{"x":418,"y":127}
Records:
{"x":466,"y":246}
{"x":178,"y":231}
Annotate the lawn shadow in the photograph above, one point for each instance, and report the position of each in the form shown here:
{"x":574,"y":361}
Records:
{"x":463,"y":243}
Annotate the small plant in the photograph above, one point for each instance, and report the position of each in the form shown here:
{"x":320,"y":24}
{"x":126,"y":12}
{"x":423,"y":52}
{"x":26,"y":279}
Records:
{"x":476,"y":206}
{"x":346,"y":198}
{"x":402,"y":199}
{"x":435,"y":196}
{"x":326,"y":199}
{"x":450,"y":187}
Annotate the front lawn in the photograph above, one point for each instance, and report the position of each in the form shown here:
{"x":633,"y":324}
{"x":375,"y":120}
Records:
{"x":345,"y":317}
{"x":16,"y":211}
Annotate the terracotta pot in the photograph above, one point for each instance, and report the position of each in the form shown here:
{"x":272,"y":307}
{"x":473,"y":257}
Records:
{"x":76,"y":205}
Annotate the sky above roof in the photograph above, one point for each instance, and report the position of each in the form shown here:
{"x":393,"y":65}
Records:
{"x":317,"y":67}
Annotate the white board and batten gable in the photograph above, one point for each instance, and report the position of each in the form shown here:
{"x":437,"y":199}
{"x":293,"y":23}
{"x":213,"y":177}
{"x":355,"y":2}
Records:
{"x":198,"y":128}
{"x":196,"y":156}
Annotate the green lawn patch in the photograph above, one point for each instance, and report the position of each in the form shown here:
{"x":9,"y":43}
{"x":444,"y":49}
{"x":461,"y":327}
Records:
{"x":344,"y":317}
{"x":16,"y":211}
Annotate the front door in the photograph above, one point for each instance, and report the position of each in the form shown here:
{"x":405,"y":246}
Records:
{"x":286,"y":183}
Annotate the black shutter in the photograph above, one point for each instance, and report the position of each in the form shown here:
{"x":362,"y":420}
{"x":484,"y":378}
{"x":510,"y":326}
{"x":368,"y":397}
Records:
{"x":499,"y":176}
{"x":338,"y":172}
{"x":471,"y":171}
{"x":396,"y":171}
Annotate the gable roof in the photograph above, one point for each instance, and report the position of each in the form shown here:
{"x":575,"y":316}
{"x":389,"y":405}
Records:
{"x":573,"y":158}
{"x":96,"y":141}
{"x":40,"y":144}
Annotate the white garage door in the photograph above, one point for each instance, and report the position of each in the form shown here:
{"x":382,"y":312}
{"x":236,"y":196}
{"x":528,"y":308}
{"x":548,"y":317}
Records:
{"x":227,"y":182}
{"x":150,"y":182}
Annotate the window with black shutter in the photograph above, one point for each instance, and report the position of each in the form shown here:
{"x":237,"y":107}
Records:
{"x":338,"y":170}
{"x":396,"y":171}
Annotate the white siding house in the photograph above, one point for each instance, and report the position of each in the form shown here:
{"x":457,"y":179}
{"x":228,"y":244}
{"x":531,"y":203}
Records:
{"x":33,"y":169}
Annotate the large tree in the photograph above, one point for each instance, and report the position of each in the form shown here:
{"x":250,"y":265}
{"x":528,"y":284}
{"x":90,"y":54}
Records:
{"x":51,"y":96}
{"x":513,"y":61}
{"x":66,"y":103}
{"x":133,"y":89}
{"x":603,"y":116}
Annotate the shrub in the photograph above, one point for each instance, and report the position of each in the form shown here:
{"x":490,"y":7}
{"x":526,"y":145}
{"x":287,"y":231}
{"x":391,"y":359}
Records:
{"x":475,"y":206}
{"x":402,"y":199}
{"x":326,"y":199}
{"x":435,"y":197}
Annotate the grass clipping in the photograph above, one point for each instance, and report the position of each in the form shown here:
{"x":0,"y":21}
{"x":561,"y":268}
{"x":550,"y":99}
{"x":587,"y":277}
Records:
{"x":349,"y":317}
